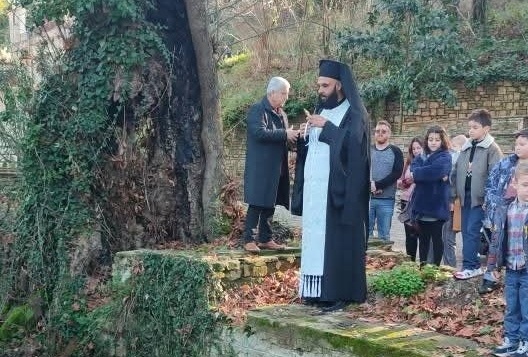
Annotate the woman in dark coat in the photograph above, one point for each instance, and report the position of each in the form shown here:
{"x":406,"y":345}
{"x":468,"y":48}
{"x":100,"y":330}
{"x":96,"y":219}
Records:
{"x":266,"y":178}
{"x":430,"y":172}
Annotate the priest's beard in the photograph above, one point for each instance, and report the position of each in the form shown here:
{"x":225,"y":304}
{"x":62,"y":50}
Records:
{"x":329,"y":102}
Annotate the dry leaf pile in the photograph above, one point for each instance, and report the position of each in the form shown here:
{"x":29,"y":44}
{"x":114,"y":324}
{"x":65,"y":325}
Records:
{"x":279,"y":288}
{"x":480,"y":321}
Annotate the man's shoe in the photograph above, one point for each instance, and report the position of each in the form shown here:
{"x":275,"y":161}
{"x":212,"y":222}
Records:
{"x":487,"y":286}
{"x":251,"y":247}
{"x":271,"y":245}
{"x":338,"y":305}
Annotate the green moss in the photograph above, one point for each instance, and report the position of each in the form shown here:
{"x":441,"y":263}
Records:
{"x":19,"y":317}
{"x":166,"y":307}
{"x":291,"y":327}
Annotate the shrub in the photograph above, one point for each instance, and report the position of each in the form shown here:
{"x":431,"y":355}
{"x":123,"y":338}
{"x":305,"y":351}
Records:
{"x":403,"y":280}
{"x":18,"y":319}
{"x":232,"y":61}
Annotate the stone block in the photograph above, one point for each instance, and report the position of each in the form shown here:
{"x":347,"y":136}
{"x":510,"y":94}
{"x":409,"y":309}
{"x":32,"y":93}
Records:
{"x":233,"y":264}
{"x":294,"y":331}
{"x":259,"y":271}
{"x":246,"y":270}
{"x":233,"y":274}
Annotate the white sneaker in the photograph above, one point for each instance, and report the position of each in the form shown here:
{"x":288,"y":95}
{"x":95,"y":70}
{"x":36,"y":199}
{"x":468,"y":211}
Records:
{"x":507,"y":348}
{"x":468,"y":273}
{"x":522,"y":350}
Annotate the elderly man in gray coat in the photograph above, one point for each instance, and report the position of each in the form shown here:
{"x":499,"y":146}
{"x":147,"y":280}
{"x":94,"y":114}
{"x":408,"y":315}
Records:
{"x":266,"y":178}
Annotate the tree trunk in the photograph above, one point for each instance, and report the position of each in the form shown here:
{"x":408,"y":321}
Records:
{"x":478,"y":12}
{"x":164,"y":182}
{"x":211,"y":128}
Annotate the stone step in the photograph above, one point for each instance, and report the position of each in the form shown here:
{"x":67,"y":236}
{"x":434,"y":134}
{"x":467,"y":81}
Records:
{"x":297,"y":330}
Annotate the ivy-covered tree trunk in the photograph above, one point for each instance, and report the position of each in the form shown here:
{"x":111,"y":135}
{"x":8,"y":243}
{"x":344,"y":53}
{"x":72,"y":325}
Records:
{"x":122,"y":148}
{"x":163,"y":179}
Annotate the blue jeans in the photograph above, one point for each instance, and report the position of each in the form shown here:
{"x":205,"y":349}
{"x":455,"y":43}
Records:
{"x":381,"y":210}
{"x":516,"y":296}
{"x":449,"y":239}
{"x":471,"y":224}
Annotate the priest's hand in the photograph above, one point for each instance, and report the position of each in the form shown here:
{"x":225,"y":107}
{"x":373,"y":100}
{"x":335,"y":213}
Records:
{"x":317,"y":120}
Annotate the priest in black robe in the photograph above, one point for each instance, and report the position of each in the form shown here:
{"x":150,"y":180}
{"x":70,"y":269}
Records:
{"x":331,"y":192}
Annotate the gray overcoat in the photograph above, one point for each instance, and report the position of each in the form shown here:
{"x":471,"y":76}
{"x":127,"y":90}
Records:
{"x":266,"y":178}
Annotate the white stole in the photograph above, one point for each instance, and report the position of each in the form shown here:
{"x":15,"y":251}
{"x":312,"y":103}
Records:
{"x":315,"y":192}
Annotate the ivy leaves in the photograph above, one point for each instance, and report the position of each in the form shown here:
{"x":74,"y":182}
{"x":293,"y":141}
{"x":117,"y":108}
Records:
{"x":413,"y":49}
{"x":414,"y":46}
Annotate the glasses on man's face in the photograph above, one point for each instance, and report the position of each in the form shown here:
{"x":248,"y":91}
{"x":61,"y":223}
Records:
{"x":381,"y":131}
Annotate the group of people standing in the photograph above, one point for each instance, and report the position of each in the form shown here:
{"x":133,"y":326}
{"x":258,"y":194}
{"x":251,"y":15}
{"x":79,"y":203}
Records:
{"x":343,"y":187}
{"x":445,"y":178}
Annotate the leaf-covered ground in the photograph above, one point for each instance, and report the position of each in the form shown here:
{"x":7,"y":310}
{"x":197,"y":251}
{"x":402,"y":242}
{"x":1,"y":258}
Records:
{"x":479,"y":319}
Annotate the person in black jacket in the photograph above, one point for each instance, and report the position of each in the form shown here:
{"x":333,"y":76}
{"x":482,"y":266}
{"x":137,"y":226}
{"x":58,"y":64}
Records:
{"x":266,"y":178}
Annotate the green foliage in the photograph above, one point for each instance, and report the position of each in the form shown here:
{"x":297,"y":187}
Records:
{"x":164,"y":309}
{"x":303,"y":95}
{"x":415,"y":48}
{"x":235,"y":107}
{"x":496,"y":60}
{"x":403,"y":280}
{"x":17,"y":320}
{"x":232,"y":61}
{"x":66,"y":139}
{"x":510,"y":23}
{"x":431,"y":273}
{"x":222,"y":225}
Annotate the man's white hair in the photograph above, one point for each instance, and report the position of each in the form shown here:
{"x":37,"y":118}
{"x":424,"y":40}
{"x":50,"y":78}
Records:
{"x":276,"y":84}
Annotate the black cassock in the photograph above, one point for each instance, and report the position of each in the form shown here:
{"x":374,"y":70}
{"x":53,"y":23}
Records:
{"x":344,"y":276}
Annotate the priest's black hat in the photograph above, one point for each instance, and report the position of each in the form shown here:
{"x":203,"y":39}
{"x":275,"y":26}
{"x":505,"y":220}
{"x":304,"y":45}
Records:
{"x":342,"y":72}
{"x":330,"y":69}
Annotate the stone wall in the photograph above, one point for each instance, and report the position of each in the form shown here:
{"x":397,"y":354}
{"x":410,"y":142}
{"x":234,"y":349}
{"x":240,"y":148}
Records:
{"x":506,"y":101}
{"x":235,"y":153}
